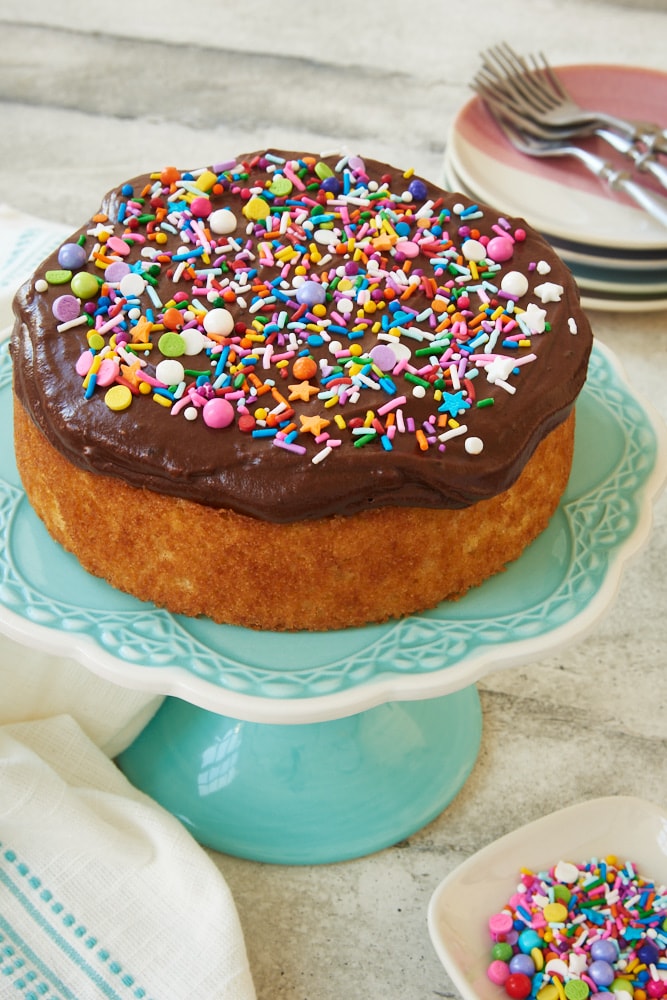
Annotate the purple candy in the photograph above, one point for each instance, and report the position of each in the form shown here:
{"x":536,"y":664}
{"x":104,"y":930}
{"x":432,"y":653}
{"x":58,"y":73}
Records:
{"x":332,"y":185}
{"x":311,"y":293}
{"x":522,"y":963}
{"x":604,"y":950}
{"x":116,"y":272}
{"x":417,"y":189}
{"x":602,"y":973}
{"x":71,"y":256}
{"x":66,"y":308}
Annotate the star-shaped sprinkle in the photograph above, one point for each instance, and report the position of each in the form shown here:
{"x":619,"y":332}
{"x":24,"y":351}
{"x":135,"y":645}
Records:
{"x":315,"y":424}
{"x":130,"y":372}
{"x":535,"y":318}
{"x":304,"y":390}
{"x":453,"y":403}
{"x":141,"y":331}
{"x":549,"y":291}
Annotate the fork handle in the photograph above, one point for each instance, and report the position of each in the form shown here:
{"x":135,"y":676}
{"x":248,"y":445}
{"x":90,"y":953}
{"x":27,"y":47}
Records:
{"x":652,"y":203}
{"x":644,"y":159}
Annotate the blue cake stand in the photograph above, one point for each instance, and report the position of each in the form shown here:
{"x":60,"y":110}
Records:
{"x":313,"y":748}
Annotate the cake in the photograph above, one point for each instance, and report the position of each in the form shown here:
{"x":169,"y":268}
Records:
{"x":297,"y":392}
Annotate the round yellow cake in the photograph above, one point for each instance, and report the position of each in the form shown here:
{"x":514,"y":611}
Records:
{"x":294,"y":392}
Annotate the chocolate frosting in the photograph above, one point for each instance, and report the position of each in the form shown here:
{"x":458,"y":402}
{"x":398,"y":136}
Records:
{"x":349,"y":336}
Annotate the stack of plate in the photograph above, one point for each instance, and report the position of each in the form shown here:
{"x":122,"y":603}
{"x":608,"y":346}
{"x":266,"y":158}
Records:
{"x":617,"y":253}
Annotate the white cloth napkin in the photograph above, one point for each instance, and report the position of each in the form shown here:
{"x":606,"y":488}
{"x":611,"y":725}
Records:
{"x":103,"y":894}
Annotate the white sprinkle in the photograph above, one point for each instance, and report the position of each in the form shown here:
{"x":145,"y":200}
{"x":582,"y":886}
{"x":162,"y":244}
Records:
{"x":473,"y":445}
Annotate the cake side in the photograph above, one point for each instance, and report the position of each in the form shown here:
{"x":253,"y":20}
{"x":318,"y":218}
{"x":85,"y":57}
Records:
{"x":316,"y":575}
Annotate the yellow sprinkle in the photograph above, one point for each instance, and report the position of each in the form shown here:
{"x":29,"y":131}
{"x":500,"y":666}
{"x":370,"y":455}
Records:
{"x":555,"y":913}
{"x":282,"y":364}
{"x":95,"y":341}
{"x":356,"y":350}
{"x":332,"y":401}
{"x":118,"y":397}
{"x":206,"y":180}
{"x":319,"y":309}
{"x":559,"y":986}
{"x":548,"y":992}
{"x":370,"y":417}
{"x":538,"y":958}
{"x":145,"y":388}
{"x":339,"y":420}
{"x":162,"y":400}
{"x":408,"y":173}
{"x":256,"y":209}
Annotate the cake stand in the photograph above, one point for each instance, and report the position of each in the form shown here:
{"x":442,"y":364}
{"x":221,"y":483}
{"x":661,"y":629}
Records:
{"x":312,"y":748}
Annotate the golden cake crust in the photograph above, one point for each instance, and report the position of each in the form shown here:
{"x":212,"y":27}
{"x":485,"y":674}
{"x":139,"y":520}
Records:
{"x":369,"y":567}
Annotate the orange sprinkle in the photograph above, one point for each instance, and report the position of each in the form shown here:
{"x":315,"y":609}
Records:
{"x":421,"y":439}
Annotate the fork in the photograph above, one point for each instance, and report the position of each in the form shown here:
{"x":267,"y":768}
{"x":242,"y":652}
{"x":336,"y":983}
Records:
{"x":500,"y":107}
{"x":654,"y":204}
{"x":535,"y":90}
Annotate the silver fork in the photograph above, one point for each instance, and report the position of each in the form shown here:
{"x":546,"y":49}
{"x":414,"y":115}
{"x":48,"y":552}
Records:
{"x":617,"y":180}
{"x":502,"y":107}
{"x":534,"y":90}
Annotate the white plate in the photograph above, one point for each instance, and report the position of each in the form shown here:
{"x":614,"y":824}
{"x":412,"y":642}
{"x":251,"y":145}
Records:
{"x":558,"y":196}
{"x":459,"y":910}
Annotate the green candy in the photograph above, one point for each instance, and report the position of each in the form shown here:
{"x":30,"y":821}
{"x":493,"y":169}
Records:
{"x":84,"y":285}
{"x":281,"y":187}
{"x":58,"y":277}
{"x":323,"y":170}
{"x":171,"y":345}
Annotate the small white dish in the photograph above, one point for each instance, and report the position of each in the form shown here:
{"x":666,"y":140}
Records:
{"x":631,"y":828}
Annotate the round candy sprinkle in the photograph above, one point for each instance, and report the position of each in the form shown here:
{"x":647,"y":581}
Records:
{"x":597,"y":927}
{"x":132,"y":285}
{"x":201,"y":207}
{"x":219,"y":321}
{"x":473,"y":250}
{"x":66,"y":308}
{"x":116,"y":272}
{"x":84,"y":285}
{"x":171,"y":345}
{"x":311,"y":293}
{"x":170,"y":372}
{"x":500,"y":248}
{"x":222,"y":221}
{"x":218,"y":413}
{"x":118,"y":397}
{"x":71,"y":256}
{"x":515,"y":283}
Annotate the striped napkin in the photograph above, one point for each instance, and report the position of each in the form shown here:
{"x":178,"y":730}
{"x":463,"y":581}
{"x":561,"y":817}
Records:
{"x":103,"y":894}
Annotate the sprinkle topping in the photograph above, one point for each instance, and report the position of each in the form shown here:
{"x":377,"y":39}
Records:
{"x":338,"y":310}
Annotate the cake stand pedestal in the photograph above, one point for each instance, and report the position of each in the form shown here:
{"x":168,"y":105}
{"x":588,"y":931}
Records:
{"x":318,"y":747}
{"x":310,"y":793}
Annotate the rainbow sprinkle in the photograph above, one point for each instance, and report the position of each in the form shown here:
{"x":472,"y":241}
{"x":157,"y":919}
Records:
{"x":599,"y":927}
{"x":286,"y":312}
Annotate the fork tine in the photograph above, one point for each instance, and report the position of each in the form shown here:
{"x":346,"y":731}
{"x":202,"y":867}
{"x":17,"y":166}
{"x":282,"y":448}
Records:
{"x":530,"y":81}
{"x":554,"y":82}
